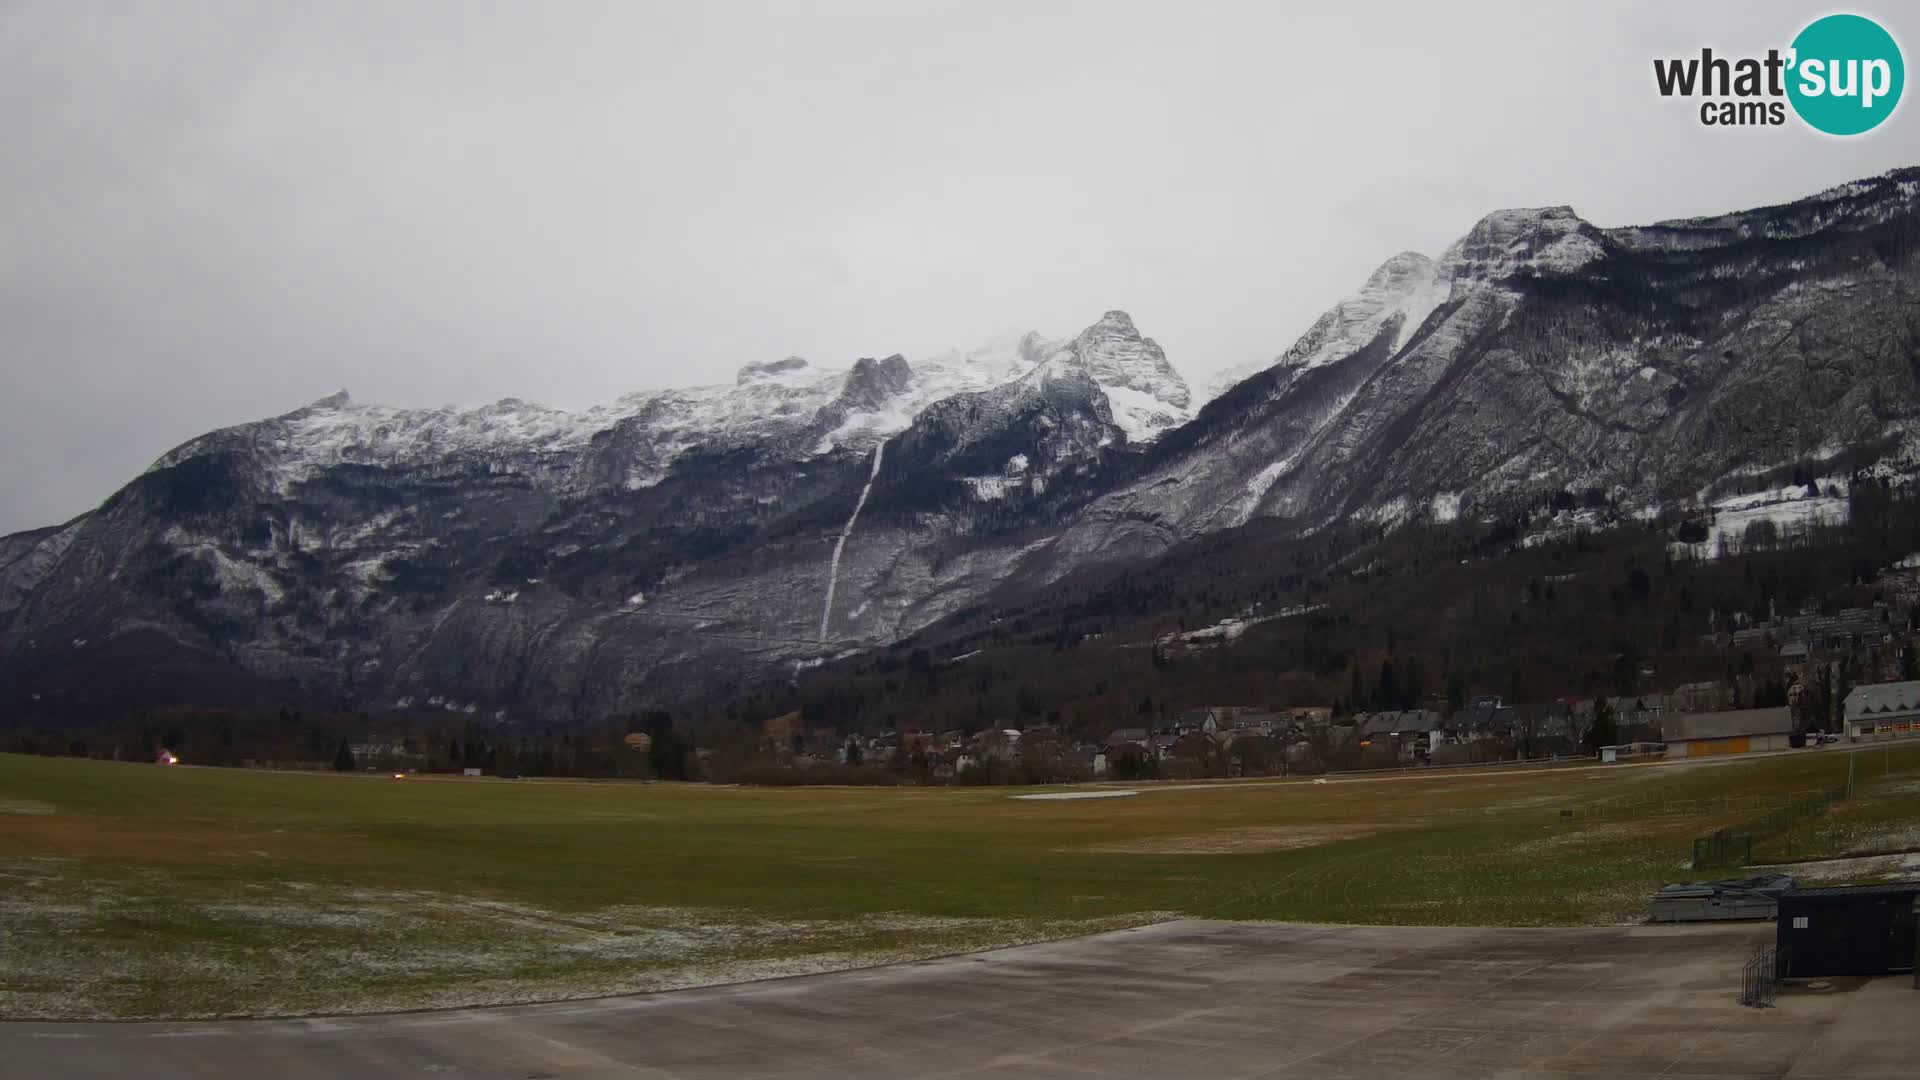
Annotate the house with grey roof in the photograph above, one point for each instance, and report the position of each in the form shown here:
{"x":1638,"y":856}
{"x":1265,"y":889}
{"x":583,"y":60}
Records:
{"x":1411,"y":732}
{"x":1882,"y":711}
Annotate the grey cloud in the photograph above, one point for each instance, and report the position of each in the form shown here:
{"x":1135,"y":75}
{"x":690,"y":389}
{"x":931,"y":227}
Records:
{"x":211,"y":212}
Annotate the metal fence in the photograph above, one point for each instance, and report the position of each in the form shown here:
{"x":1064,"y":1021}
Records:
{"x":1734,"y":846}
{"x":1723,"y":847}
{"x":1760,"y":978}
{"x":1795,"y":812}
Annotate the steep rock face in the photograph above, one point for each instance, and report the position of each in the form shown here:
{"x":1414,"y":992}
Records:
{"x":522,"y":562}
{"x":525,"y":562}
{"x":1645,"y":362}
{"x":872,"y":383}
{"x":1144,"y":394}
{"x":1400,"y":295}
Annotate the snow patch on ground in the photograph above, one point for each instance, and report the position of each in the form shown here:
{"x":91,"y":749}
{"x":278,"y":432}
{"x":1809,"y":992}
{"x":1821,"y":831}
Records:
{"x":293,"y":947}
{"x":1258,"y":486}
{"x":990,"y":488}
{"x":1850,"y":871}
{"x":1390,"y":513}
{"x":1791,"y":510}
{"x":1234,"y":627}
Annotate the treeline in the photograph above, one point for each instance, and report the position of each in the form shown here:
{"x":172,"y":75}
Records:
{"x":292,"y":738}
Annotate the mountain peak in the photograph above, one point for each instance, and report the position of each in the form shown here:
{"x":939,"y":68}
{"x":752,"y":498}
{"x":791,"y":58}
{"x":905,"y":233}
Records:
{"x":1506,"y":242}
{"x":1145,"y":392}
{"x":872,"y":382}
{"x":769,"y":369}
{"x":1033,"y":348}
{"x":1408,"y":287}
{"x":1405,"y":266}
{"x":1113,"y":352}
{"x":339,"y":399}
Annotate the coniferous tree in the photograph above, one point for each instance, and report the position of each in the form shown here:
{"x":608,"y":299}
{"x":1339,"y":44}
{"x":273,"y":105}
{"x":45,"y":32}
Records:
{"x":1604,"y":732}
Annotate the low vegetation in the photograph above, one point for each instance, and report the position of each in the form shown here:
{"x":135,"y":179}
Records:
{"x":135,"y":890}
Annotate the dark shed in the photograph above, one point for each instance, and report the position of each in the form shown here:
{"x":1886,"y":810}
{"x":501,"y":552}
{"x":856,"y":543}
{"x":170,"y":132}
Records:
{"x":1847,"y":930}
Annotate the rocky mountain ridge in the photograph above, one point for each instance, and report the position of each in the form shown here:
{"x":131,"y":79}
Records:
{"x":520,"y":562}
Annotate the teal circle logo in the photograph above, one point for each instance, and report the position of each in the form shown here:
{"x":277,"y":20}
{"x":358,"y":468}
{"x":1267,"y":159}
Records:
{"x":1847,"y":74}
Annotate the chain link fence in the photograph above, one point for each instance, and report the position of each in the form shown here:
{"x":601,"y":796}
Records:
{"x":1733,"y":845}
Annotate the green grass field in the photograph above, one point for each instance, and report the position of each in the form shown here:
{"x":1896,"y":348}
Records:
{"x":136,"y":890}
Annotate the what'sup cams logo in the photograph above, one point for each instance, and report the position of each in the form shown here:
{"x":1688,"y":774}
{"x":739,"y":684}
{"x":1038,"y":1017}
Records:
{"x":1842,"y":75}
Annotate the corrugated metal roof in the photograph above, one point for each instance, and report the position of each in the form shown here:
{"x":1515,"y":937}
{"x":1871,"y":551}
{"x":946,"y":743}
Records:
{"x":1878,"y":698}
{"x":1727,"y":725}
{"x":1764,"y":884}
{"x":1840,"y":892}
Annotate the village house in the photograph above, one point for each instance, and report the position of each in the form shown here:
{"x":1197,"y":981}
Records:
{"x":370,"y":751}
{"x":1485,"y":719}
{"x":1249,"y":724}
{"x":1206,"y":720}
{"x":1802,"y":636}
{"x":1410,"y":733}
{"x":1882,"y":711}
{"x":1696,"y":697}
{"x":1552,"y":729}
{"x":1308,"y":716}
{"x":999,"y":744}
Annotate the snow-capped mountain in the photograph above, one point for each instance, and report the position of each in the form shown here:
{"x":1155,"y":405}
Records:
{"x":530,"y":563}
{"x":573,"y":560}
{"x":1403,"y":292}
{"x":1549,"y":354}
{"x":1144,"y":393}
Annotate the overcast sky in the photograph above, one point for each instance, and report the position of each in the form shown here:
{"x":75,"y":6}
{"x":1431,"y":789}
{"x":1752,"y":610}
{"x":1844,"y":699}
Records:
{"x":211,"y":213}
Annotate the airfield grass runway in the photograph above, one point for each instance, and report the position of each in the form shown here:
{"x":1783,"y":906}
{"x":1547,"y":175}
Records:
{"x":135,"y":891}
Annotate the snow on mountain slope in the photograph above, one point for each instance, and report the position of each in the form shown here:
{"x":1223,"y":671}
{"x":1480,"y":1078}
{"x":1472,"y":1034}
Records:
{"x":1404,"y":290}
{"x":1409,"y":287}
{"x":1146,"y":395}
{"x":1000,"y":360}
{"x":770,"y":401}
{"x":1541,"y":353}
{"x":495,"y":554}
{"x":577,"y":565}
{"x":1506,"y":243}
